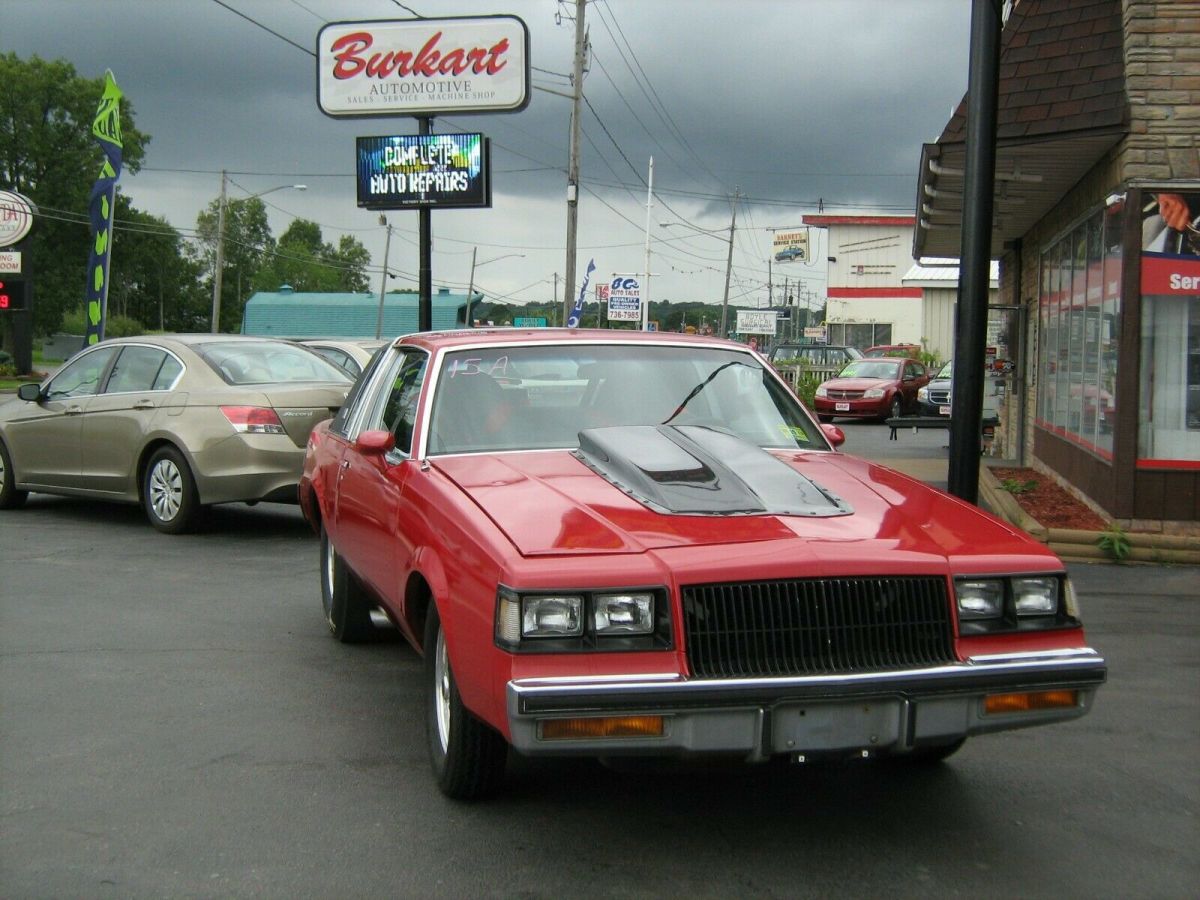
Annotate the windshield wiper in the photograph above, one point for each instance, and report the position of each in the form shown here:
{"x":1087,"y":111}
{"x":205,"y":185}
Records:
{"x":698,"y":388}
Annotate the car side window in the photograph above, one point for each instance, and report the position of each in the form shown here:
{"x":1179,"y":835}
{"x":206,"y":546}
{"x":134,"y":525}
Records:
{"x":399,"y":410}
{"x":81,"y":377}
{"x":136,"y":369}
{"x":358,"y":397}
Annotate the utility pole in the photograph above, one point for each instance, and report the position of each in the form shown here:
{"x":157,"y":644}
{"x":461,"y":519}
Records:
{"x":556,"y":306}
{"x":471,"y":290}
{"x":219,"y":265}
{"x":646,"y":286}
{"x":387,"y":246}
{"x":729,"y":268}
{"x":573,"y":163}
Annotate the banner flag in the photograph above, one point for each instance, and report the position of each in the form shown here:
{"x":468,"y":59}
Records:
{"x":577,"y":312}
{"x":106,"y":128}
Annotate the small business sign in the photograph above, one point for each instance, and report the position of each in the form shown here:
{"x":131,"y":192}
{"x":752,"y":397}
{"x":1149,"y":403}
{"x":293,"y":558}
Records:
{"x":790,"y":246}
{"x":10,"y":262}
{"x":816,"y":333}
{"x":423,"y":67}
{"x":413,"y":171}
{"x":16,"y":218}
{"x":625,"y":299}
{"x":529,"y":321}
{"x":756,"y":321}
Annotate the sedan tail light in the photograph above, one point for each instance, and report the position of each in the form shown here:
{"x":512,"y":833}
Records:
{"x":253,"y":419}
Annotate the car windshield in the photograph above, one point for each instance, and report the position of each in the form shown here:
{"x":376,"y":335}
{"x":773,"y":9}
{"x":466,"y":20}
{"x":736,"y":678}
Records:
{"x":871,"y":368}
{"x":541,"y":397}
{"x":268,"y":362}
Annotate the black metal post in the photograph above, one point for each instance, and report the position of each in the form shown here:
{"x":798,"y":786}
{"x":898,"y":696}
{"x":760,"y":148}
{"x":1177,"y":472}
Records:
{"x":970,"y":337}
{"x":425,"y":298}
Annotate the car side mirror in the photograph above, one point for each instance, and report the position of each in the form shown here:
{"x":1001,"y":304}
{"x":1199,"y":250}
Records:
{"x":30,"y":391}
{"x":375,"y":443}
{"x":835,"y":435}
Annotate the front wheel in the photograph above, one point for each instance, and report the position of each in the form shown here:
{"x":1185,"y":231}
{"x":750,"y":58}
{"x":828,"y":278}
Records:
{"x":169,"y":492}
{"x":468,"y":757}
{"x":10,"y":497}
{"x":347,"y":609}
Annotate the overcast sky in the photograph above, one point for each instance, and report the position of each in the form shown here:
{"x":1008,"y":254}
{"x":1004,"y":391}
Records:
{"x":790,"y":102}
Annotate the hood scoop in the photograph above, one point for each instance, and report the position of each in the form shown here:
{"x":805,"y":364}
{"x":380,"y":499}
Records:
{"x":695,"y":470}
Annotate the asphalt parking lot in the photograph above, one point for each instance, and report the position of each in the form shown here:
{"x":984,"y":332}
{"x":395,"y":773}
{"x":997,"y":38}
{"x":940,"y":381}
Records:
{"x":177,"y":722}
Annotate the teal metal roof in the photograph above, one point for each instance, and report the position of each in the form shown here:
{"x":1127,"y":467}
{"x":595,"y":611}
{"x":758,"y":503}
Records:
{"x":288,"y":313}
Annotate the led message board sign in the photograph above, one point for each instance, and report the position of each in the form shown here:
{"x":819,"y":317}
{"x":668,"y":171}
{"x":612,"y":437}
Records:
{"x":423,"y":171}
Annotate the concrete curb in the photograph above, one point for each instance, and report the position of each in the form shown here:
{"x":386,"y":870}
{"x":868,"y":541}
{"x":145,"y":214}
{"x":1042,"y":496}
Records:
{"x":1084,"y":546}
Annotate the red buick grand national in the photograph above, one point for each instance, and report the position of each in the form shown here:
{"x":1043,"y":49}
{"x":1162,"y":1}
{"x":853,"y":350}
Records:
{"x":636,"y":544}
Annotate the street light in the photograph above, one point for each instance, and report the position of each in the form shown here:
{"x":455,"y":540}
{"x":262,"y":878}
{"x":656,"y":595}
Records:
{"x":471,"y":285}
{"x":728,"y":260}
{"x":220,"y":262}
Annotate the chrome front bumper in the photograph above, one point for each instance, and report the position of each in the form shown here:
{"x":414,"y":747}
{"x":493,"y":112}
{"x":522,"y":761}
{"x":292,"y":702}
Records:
{"x":876,"y":712}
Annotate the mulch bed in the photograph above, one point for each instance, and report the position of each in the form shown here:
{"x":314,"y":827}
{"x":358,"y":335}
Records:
{"x":1041,"y":498}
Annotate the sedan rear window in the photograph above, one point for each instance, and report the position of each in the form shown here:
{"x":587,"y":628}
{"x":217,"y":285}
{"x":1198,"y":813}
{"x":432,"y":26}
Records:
{"x":528,"y":398}
{"x":268,"y":362}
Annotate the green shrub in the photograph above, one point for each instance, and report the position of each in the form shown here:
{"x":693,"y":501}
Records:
{"x":1017,"y":487}
{"x":117,"y":326}
{"x":1115,"y":542}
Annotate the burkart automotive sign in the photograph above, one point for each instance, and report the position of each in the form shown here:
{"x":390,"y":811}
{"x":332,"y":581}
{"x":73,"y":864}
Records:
{"x":412,"y":171}
{"x":423,"y":67}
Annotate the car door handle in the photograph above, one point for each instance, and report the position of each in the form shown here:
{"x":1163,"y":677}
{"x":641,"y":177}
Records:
{"x":144,"y":404}
{"x":73,"y":411}
{"x":345,"y":463}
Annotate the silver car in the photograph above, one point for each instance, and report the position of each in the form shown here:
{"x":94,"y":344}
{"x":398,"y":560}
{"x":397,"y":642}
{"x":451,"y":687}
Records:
{"x":174,"y":422}
{"x":352,"y":354}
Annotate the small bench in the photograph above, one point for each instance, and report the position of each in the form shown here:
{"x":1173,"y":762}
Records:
{"x":987,"y":425}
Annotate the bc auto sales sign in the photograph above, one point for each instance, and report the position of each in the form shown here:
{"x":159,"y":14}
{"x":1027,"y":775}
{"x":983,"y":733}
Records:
{"x":422,"y":67}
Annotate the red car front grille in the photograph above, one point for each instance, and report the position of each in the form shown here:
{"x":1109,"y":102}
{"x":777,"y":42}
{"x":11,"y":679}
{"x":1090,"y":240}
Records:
{"x":834,"y":394}
{"x":817,"y":626}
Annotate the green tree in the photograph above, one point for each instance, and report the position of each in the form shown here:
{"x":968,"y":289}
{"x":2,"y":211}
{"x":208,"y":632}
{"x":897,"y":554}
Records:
{"x":248,"y":246}
{"x":303,"y":260}
{"x":47,"y":153}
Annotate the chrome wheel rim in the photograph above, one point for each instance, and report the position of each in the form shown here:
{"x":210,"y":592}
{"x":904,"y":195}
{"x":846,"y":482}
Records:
{"x":327,"y":574}
{"x":166,"y":490}
{"x":3,"y":473}
{"x":441,"y":687}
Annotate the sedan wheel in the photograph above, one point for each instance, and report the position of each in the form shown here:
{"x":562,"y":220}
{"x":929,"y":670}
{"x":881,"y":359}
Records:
{"x":10,"y":497}
{"x":347,"y":608}
{"x":169,"y":492}
{"x":468,"y":757}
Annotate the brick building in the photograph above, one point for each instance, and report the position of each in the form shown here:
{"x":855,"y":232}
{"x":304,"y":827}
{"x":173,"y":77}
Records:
{"x":1097,"y":202}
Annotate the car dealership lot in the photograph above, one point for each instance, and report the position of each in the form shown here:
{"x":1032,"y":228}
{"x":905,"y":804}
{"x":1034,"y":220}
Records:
{"x":177,"y":721}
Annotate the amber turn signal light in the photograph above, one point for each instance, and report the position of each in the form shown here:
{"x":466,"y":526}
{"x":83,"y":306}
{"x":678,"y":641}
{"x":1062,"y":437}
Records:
{"x":1030,"y":701}
{"x":602,"y":727}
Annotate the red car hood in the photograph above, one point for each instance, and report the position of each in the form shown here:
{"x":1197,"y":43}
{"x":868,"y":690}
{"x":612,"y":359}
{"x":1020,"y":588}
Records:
{"x":858,"y":384}
{"x":551,"y":503}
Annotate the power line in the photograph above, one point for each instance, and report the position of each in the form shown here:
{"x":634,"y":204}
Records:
{"x":258,"y":24}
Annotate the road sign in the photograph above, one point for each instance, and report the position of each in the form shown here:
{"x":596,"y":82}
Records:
{"x":529,"y":321}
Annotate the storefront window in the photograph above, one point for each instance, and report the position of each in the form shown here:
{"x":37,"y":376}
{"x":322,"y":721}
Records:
{"x":1079,"y":308}
{"x":1169,"y":427}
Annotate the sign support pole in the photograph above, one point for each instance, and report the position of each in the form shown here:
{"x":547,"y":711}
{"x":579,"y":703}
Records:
{"x":424,"y":226}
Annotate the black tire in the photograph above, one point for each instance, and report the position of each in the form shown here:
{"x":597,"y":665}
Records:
{"x":10,"y":497}
{"x":468,"y":757}
{"x":169,"y":492}
{"x":347,"y":607}
{"x":897,"y":407}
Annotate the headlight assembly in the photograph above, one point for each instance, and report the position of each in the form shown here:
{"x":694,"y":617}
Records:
{"x":565,"y":621}
{"x":873,"y":393}
{"x":1014,"y":603}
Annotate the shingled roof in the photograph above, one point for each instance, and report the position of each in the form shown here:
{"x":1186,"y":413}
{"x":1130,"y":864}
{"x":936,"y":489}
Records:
{"x":1061,"y":105}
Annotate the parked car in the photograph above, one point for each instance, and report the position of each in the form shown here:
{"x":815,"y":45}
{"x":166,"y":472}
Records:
{"x":174,"y":422}
{"x":668,"y":558}
{"x":816,"y":355}
{"x":934,"y":398}
{"x":351,"y":354}
{"x":911,"y":351}
{"x":871,"y":389}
